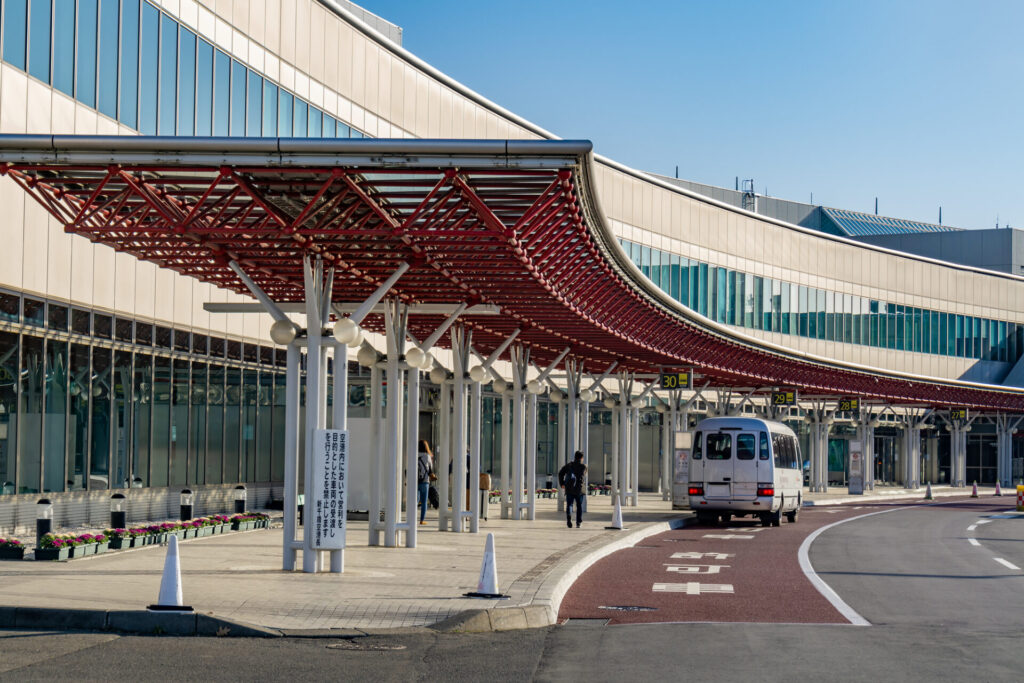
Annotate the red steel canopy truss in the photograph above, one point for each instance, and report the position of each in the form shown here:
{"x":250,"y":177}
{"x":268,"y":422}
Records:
{"x":514,"y":224}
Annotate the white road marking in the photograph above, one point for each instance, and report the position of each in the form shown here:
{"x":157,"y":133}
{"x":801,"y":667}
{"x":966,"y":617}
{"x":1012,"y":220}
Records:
{"x":972,"y":527}
{"x":693,"y":588}
{"x":973,"y":541}
{"x":695,"y":568}
{"x":745,"y":529}
{"x":983,"y":521}
{"x":726,"y":536}
{"x":698,"y":556}
{"x":1008,"y":565}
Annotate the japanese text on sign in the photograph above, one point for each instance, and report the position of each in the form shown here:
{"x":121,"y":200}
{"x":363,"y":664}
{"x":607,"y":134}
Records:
{"x":848,"y":404}
{"x":330,"y":477}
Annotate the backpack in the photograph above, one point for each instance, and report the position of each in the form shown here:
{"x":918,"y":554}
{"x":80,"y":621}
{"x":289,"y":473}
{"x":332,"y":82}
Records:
{"x":422,"y":471}
{"x":568,"y":477}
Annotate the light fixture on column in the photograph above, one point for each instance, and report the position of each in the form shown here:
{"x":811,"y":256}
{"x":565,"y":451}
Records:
{"x":283,"y":332}
{"x":477,"y":373}
{"x":438,"y":375}
{"x":661,"y":407}
{"x":418,"y":358}
{"x":367,"y":356}
{"x":499,"y":385}
{"x":588,"y":395}
{"x":556,"y":396}
{"x":347,"y":332}
{"x":534,"y":387}
{"x":637,"y":403}
{"x":609,"y":403}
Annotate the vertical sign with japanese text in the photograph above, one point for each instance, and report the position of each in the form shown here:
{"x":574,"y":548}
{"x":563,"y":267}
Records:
{"x":330,"y":479}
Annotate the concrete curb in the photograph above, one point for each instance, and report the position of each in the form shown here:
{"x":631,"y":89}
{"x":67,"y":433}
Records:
{"x":886,"y":497}
{"x":130,"y":621}
{"x":543,"y":608}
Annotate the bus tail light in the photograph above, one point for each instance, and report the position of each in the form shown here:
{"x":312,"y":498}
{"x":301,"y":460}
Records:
{"x":765,"y":489}
{"x":696,"y":490}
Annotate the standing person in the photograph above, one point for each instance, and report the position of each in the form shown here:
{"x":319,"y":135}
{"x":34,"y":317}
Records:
{"x":424,"y":475}
{"x":571,"y":478}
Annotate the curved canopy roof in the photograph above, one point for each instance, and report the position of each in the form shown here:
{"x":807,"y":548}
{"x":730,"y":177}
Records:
{"x":514,"y":224}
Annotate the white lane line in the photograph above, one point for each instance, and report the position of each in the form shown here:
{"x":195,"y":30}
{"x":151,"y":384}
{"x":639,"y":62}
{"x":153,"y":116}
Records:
{"x":973,"y":541}
{"x":972,"y":527}
{"x":983,"y":521}
{"x":1008,"y":565}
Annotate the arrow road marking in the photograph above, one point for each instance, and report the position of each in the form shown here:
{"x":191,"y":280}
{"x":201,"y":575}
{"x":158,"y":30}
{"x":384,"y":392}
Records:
{"x":973,"y":541}
{"x":726,"y":536}
{"x":1008,"y":565}
{"x":693,"y":588}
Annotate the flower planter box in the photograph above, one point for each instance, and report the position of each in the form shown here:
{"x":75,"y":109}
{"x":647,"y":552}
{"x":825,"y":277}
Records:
{"x":83,"y":550}
{"x":52,"y":553}
{"x":188,"y":533}
{"x":101,"y":547}
{"x":123,"y":543}
{"x":242,"y":526}
{"x":9,"y":553}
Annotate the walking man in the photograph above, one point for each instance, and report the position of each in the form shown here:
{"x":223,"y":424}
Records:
{"x":571,"y":478}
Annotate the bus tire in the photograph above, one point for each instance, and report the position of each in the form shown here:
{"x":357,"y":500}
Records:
{"x":766,"y":520}
{"x":706,"y":518}
{"x":793,"y":515}
{"x":776,"y":517}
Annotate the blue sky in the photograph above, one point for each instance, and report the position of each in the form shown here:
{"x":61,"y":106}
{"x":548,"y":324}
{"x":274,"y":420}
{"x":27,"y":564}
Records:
{"x":917,"y":103}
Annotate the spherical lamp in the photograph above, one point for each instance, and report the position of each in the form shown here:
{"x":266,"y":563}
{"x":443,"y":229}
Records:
{"x":609,"y":403}
{"x":438,"y":375}
{"x":556,"y":396}
{"x":367,"y":357}
{"x":414,"y":357}
{"x":588,"y":395}
{"x":346,"y":331}
{"x":534,"y":387}
{"x":283,"y":332}
{"x":637,"y":403}
{"x":428,"y":362}
{"x":477,"y":373}
{"x":499,"y":385}
{"x":661,"y":407}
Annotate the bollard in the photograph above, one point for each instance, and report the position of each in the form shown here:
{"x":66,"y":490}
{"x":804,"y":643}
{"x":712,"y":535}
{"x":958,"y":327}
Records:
{"x":44,"y":518}
{"x":187,"y":498}
{"x":118,"y":511}
{"x":240,"y":499}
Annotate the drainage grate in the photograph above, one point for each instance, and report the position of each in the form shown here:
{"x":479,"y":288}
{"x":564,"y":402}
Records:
{"x":365,"y":646}
{"x":628,"y":608}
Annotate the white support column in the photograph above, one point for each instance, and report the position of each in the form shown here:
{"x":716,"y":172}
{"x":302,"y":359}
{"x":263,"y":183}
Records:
{"x":625,"y":443}
{"x":616,"y":442}
{"x":412,"y":439}
{"x":475,"y":413}
{"x":506,"y":440}
{"x":443,"y":459}
{"x":560,"y":440}
{"x":461,"y":339}
{"x":291,"y":456}
{"x":868,"y":436}
{"x":520,"y":359}
{"x":314,"y":401}
{"x":634,"y":476}
{"x":392,"y":425}
{"x":585,"y":438}
{"x":665,"y":480}
{"x":531,"y":458}
{"x":376,"y":458}
{"x":570,"y":438}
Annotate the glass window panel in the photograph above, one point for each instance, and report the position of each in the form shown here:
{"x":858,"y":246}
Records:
{"x":234,"y":350}
{"x":343,"y":131}
{"x":674,"y":277}
{"x":149,"y":60}
{"x":299,"y":119}
{"x":35,"y":311}
{"x":197,"y":425}
{"x":54,"y":421}
{"x":81,"y":321}
{"x":186,"y":82}
{"x":10,"y":307}
{"x":142,"y":403}
{"x":121,"y":382}
{"x":168,"y":75}
{"x":102,"y":325}
{"x":85,"y":87}
{"x":179,"y":422}
{"x":250,"y":393}
{"x":215,"y":428}
{"x":264,"y":424}
{"x":329,"y":126}
{"x":143,"y":333}
{"x":39,"y":40}
{"x":8,"y":411}
{"x":123,"y":329}
{"x":107,"y":73}
{"x":684,"y":281}
{"x":57,"y":317}
{"x":30,"y":415}
{"x":204,"y":89}
{"x":269,"y":109}
{"x":182,"y":340}
{"x":315,"y":123}
{"x":163,"y":337}
{"x":128,"y":113}
{"x":238,"y":75}
{"x":221,"y":93}
{"x":232,"y":422}
{"x":102,"y":389}
{"x":200,"y":343}
{"x":776,"y":306}
{"x":702,"y":289}
{"x":284,"y":118}
{"x":654,"y":269}
{"x":277,"y":447}
{"x":217,"y":347}
{"x":15,"y":33}
{"x":353,"y":133}
{"x":160,"y":450}
{"x":254,"y":120}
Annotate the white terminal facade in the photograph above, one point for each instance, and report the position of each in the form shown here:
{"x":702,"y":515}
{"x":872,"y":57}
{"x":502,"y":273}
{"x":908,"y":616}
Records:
{"x":113,"y":375}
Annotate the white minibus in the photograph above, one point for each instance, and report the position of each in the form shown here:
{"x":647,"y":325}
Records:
{"x":745,"y":466}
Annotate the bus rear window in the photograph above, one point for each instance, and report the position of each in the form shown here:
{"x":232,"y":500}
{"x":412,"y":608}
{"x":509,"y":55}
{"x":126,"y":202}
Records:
{"x":764,"y":453}
{"x":745,"y":446}
{"x":697,"y":443}
{"x":719,"y":446}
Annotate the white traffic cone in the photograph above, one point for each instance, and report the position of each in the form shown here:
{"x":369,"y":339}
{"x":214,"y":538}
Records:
{"x":999,"y":491}
{"x":974,"y":490}
{"x":928,"y":492}
{"x":487,"y":586}
{"x":617,"y":517}
{"x":169,"y":599}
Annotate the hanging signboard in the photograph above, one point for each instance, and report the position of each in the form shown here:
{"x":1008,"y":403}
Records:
{"x":958,"y":413}
{"x":847,"y":405}
{"x":784,"y":397}
{"x":330,"y":489}
{"x":679,"y":379}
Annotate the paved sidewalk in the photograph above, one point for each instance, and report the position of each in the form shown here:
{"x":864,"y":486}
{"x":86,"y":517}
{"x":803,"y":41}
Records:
{"x":238,"y":577}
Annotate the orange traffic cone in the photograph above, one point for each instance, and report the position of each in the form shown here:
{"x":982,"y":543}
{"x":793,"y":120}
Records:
{"x":974,"y":490}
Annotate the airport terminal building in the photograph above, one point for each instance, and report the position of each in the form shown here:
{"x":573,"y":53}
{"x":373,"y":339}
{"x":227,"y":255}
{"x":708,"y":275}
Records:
{"x":117,"y":373}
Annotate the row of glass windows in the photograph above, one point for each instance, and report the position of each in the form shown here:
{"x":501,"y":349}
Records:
{"x":140,"y":66}
{"x":735,"y":298}
{"x":64,"y":318}
{"x":83,"y":416}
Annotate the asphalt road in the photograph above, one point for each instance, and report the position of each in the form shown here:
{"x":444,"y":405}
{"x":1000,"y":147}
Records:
{"x":920,"y":567}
